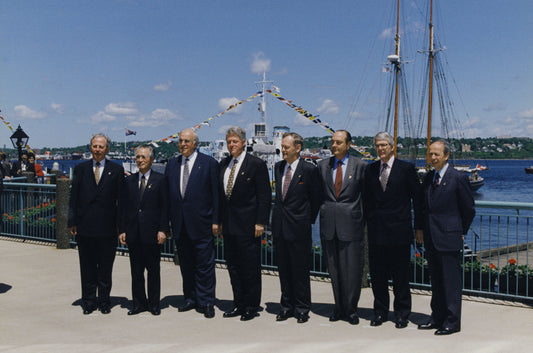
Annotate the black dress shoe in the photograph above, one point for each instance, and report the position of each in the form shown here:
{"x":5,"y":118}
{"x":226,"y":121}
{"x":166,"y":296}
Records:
{"x":88,"y":311}
{"x":334,"y":317}
{"x":378,"y":320}
{"x":446,"y":331}
{"x":137,"y":310}
{"x":234,"y":313}
{"x":302,"y":318}
{"x":401,"y":323}
{"x":353,"y":320}
{"x":284,"y":315}
{"x":105,"y":308}
{"x":209,"y":311}
{"x":428,"y":326}
{"x":248,"y":315}
{"x":155,"y":311}
{"x":186,"y":307}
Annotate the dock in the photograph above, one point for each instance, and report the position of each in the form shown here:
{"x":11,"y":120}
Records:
{"x":40,"y":312}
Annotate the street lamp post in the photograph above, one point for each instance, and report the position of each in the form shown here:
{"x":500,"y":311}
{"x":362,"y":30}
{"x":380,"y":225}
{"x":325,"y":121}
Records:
{"x":19,"y":139}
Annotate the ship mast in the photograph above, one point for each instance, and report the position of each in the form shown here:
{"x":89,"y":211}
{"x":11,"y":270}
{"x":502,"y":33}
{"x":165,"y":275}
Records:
{"x":260,"y":129}
{"x":397,"y":76}
{"x":431,"y":52}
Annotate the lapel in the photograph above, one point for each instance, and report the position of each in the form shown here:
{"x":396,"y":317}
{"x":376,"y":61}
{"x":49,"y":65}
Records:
{"x":178,"y":176}
{"x":279,"y":180}
{"x":194,"y":171}
{"x":134,"y":187}
{"x":242,"y":172}
{"x":329,"y":176}
{"x":103,"y":176}
{"x":348,"y":176}
{"x":223,"y":165}
{"x":296,"y":176}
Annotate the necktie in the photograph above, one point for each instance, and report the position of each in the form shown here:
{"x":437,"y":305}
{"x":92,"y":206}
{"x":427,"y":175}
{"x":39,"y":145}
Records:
{"x":97,"y":173}
{"x":338,"y":179}
{"x":384,"y":177}
{"x":143,"y":186}
{"x":437,"y":179}
{"x":185,"y":176}
{"x":288,"y":177}
{"x":229,"y":187}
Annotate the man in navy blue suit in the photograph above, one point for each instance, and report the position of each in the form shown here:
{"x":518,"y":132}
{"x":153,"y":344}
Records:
{"x":298,"y":198}
{"x":92,"y":218}
{"x":245,"y":211}
{"x":193,"y":187}
{"x":392,"y":189}
{"x":143,"y":227}
{"x":449,"y":211}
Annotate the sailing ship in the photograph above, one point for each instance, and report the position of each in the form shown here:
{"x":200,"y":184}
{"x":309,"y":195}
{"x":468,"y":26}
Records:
{"x":399,"y":99}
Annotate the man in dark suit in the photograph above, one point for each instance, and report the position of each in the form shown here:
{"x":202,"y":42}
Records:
{"x":392,"y":189}
{"x":143,"y":227}
{"x":448,"y":213}
{"x":194,"y":215}
{"x":298,"y":198}
{"x":22,"y":165}
{"x":92,"y":218}
{"x":342,"y":225}
{"x":246,"y":199}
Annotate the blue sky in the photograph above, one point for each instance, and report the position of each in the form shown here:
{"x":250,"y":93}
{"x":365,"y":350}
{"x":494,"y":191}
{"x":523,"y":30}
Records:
{"x":69,"y":69}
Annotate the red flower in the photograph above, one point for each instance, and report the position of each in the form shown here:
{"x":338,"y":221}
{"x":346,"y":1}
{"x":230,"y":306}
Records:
{"x":53,"y":219}
{"x":418,"y":254}
{"x":512,"y":261}
{"x":263,"y":241}
{"x":492,"y":266}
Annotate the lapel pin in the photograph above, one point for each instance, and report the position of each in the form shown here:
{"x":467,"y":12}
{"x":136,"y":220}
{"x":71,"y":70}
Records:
{"x":242,"y":173}
{"x":149,"y":186}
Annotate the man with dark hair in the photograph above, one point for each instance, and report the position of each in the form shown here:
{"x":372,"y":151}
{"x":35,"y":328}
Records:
{"x":392,"y":190}
{"x":296,"y":207}
{"x":342,"y":225}
{"x":194,"y":202}
{"x":21,"y":165}
{"x":246,"y":199}
{"x":143,"y":227}
{"x":448,"y":213}
{"x":93,"y":219}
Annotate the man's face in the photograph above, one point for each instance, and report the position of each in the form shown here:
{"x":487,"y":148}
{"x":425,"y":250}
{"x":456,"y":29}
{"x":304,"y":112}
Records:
{"x":384,"y":150}
{"x":437,"y":158}
{"x":99,"y":148}
{"x":235,"y":145}
{"x":186,"y":143}
{"x":24,"y":158}
{"x":289,"y":149}
{"x":144,"y":162}
{"x":339,"y":147}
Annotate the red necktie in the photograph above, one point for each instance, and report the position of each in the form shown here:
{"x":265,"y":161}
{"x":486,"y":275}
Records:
{"x":288,"y":177}
{"x":338,"y":179}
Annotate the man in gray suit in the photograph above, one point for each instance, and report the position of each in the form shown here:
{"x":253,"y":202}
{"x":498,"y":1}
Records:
{"x":342,"y":225}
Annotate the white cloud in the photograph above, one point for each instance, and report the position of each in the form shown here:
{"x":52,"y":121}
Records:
{"x":157,"y":118}
{"x":387,"y":33}
{"x":260,"y":63}
{"x":300,"y":120}
{"x":163,"y":87}
{"x":526,"y":113}
{"x":222,"y":129}
{"x":355,"y":114}
{"x":101,"y":117}
{"x":224,"y":103}
{"x":328,"y":107}
{"x":126,"y":108}
{"x":58,"y":108}
{"x":23,"y":111}
{"x":475,"y":120}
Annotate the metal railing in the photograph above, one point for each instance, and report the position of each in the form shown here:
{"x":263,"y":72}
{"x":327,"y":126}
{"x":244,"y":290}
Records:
{"x":496,"y":259}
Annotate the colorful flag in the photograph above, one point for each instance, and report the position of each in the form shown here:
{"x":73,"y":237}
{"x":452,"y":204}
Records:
{"x":130,"y":132}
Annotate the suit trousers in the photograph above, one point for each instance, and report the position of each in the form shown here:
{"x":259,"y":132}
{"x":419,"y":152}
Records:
{"x":197,"y":266}
{"x":97,"y":255}
{"x":243,"y":258}
{"x":446,"y":286}
{"x":390,"y":262}
{"x":345,"y":266}
{"x":145,"y":257}
{"x":294,"y":264}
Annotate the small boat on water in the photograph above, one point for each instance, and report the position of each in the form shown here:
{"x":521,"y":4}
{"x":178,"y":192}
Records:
{"x":529,"y":170}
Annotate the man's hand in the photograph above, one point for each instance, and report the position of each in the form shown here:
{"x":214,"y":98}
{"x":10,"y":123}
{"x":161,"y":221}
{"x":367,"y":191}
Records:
{"x":73,"y":230}
{"x":122,"y":238}
{"x":161,"y":237}
{"x":419,"y":236}
{"x":259,"y":230}
{"x":216,"y":229}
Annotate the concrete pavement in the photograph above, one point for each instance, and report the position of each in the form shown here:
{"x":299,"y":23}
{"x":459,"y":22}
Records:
{"x":40,"y":312}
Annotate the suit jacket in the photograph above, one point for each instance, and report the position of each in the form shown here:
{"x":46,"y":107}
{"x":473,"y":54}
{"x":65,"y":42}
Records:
{"x":342,"y":216}
{"x":250,"y":199}
{"x":292,"y":218}
{"x":141,"y":219}
{"x":448,"y":210}
{"x":17,"y":165}
{"x":94,"y":208}
{"x":198,"y":209}
{"x":388,"y":213}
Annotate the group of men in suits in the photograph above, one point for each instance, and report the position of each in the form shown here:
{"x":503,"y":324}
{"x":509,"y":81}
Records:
{"x":197,"y":199}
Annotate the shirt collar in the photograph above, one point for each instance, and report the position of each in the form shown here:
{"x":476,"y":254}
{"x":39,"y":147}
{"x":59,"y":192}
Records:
{"x":102,"y":163}
{"x":388,"y":163}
